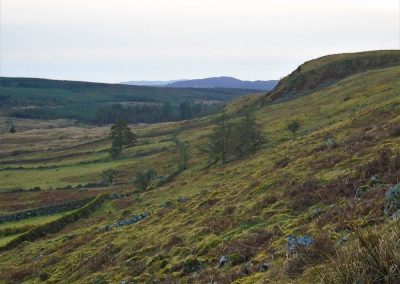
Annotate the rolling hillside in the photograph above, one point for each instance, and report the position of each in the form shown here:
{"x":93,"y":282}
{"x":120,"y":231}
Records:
{"x":85,"y":101}
{"x":322,"y":72}
{"x":307,"y":207}
{"x":213,"y":82}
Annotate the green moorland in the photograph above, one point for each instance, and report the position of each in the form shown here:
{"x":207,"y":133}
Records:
{"x":244,"y":210}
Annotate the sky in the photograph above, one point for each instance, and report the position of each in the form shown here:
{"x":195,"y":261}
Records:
{"x":121,"y":40}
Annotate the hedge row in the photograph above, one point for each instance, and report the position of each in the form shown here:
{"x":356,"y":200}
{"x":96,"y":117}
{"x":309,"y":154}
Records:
{"x":56,"y":225}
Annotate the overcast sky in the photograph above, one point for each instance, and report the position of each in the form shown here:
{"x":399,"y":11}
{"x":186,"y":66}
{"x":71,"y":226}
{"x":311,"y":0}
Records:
{"x":120,"y":40}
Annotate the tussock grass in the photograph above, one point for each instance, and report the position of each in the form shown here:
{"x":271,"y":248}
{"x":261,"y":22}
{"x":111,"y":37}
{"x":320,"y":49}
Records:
{"x":373,"y":257}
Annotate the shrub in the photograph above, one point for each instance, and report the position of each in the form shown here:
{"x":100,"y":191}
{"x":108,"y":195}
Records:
{"x":183,"y":153}
{"x":143,"y":178}
{"x":293,"y":126}
{"x":192,"y":265}
{"x":236,"y":259}
{"x":107,"y":176}
{"x":234,"y":139}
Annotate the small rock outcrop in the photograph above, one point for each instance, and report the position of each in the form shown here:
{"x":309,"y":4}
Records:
{"x":222,"y":261}
{"x":392,"y":200}
{"x":264,"y":267}
{"x":132,"y":220}
{"x":295,"y":242}
{"x":360,"y":192}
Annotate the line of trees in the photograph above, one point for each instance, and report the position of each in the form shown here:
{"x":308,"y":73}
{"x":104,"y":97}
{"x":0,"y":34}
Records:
{"x":153,"y":113}
{"x":232,"y":139}
{"x":139,"y":112}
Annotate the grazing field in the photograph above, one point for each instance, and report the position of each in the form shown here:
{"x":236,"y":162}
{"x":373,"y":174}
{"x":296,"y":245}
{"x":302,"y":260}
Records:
{"x":301,"y":183}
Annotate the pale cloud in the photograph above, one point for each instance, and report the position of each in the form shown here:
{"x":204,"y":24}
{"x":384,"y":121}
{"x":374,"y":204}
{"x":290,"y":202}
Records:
{"x":119,"y":40}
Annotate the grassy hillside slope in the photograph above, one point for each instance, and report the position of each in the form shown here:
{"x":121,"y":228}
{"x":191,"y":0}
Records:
{"x":244,"y":210}
{"x":323,"y":71}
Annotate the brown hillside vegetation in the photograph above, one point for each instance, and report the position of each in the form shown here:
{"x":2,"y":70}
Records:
{"x":310,"y":206}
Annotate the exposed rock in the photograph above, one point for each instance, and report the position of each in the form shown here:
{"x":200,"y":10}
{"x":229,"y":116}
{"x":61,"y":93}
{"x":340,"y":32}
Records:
{"x":37,"y":257}
{"x":392,"y":200}
{"x":315,"y":212}
{"x":134,"y":219}
{"x":114,"y":196}
{"x":375,"y":180}
{"x":342,"y":240}
{"x":396,"y":215}
{"x":222,"y":261}
{"x":361,"y":191}
{"x":331,"y":143}
{"x":264,"y":267}
{"x":183,"y":199}
{"x":167,"y":205}
{"x":294,"y":242}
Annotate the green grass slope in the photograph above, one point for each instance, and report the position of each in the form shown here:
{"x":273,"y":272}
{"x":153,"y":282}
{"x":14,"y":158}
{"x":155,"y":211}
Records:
{"x":244,"y":210}
{"x":323,"y":71}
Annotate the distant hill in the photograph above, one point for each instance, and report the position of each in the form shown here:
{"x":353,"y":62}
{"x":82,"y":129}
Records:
{"x":101,"y":103}
{"x":225,"y":82}
{"x":150,"y":83}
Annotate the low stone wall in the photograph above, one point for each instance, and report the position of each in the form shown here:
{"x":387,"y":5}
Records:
{"x":16,"y":190}
{"x":47,"y":210}
{"x":56,"y":225}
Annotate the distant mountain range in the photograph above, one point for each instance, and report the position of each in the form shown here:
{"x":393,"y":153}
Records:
{"x":213,"y":82}
{"x":150,"y":83}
